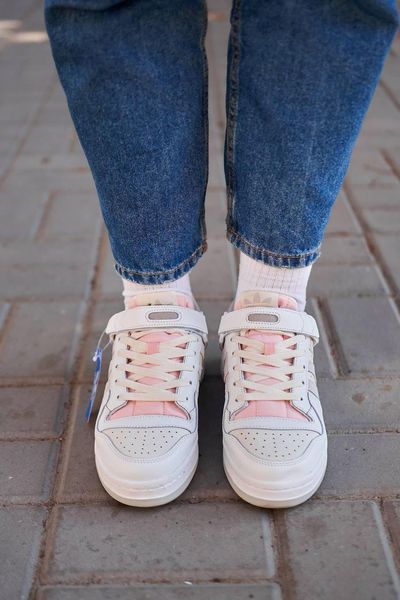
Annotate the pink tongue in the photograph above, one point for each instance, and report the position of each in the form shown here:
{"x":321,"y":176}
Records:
{"x":132,"y":409}
{"x":267,"y":408}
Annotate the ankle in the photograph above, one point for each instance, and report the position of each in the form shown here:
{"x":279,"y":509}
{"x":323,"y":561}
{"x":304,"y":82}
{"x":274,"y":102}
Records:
{"x":137,"y":293}
{"x":256,"y":276}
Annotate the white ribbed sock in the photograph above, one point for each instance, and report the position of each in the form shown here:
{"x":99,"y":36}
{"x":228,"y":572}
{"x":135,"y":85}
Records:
{"x":254,"y":275}
{"x":132,"y":289}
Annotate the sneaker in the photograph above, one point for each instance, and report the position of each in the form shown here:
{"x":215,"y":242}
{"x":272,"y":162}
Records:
{"x":275,"y":443}
{"x":146,"y":442}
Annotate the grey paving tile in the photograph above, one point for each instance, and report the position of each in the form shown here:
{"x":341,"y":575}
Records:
{"x":80,"y":482}
{"x":48,"y":181}
{"x":389,"y":248}
{"x":19,"y":214}
{"x":369,"y":169}
{"x":22,"y":528}
{"x":387,"y":196}
{"x":324,"y":364}
{"x":369,"y":334}
{"x":46,"y":269}
{"x":342,"y":219}
{"x":383,"y":221}
{"x":360,"y":405}
{"x":27,"y":470}
{"x":38,"y":340}
{"x":99,"y":316}
{"x":349,"y":250}
{"x":49,"y":138}
{"x":51,"y":162}
{"x":210,"y":481}
{"x":216,"y":175}
{"x":393,"y":156}
{"x":72,"y":216}
{"x":180,"y":542}
{"x":343,"y":280}
{"x":391,"y":515}
{"x":335,"y":552}
{"x":31,"y":411}
{"x":358,"y":465}
{"x":266,"y":591}
{"x":213,"y":311}
{"x":214,"y":276}
{"x":215,"y":213}
{"x":110,"y":284}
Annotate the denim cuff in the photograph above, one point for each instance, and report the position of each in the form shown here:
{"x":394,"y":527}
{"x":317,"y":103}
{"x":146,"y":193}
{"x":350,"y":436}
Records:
{"x":274,"y":259}
{"x":157,"y":277}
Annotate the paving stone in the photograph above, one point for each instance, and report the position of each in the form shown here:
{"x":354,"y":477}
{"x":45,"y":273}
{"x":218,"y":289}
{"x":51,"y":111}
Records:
{"x":52,"y":162}
{"x":393,"y":156}
{"x":216,"y":175}
{"x":81,"y":483}
{"x":20,"y":213}
{"x":38,"y":341}
{"x":214,"y":276}
{"x":344,"y":250}
{"x":342,"y":219}
{"x":27,"y":470}
{"x":343,"y":280}
{"x":183,"y":542}
{"x":51,"y":139}
{"x":391,"y":513}
{"x":99,"y":315}
{"x":215,"y":213}
{"x":389,"y":248}
{"x":210,"y":481}
{"x":24,"y":180}
{"x":387,"y":196}
{"x":336,"y":552}
{"x":267,"y":591}
{"x":213,"y":309}
{"x":324,"y":363}
{"x":383,"y":221}
{"x":369,"y":169}
{"x":33,"y":412}
{"x":360,"y":404}
{"x":110,"y":284}
{"x":4,"y":313}
{"x":369,"y":334}
{"x":358,"y":465}
{"x":22,"y":528}
{"x":46,"y":269}
{"x":72,"y":216}
{"x":382,"y":113}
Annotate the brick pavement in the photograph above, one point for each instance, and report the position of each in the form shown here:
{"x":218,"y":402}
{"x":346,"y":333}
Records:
{"x":62,"y":537}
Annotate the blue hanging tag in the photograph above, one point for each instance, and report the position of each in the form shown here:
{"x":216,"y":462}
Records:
{"x":97,"y":358}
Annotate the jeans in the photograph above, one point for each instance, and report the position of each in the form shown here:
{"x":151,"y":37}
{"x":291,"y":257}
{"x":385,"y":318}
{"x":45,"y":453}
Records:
{"x":301,"y":74}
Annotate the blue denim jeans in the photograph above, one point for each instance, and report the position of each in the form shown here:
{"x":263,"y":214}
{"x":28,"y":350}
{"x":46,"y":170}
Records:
{"x":301,"y":74}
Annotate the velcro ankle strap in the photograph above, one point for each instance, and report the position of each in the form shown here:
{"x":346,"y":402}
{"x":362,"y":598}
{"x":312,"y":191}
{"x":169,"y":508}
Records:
{"x":270,"y":319}
{"x":162,"y":316}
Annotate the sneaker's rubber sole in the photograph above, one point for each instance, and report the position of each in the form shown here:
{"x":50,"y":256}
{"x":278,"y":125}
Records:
{"x":282,"y":498}
{"x":125,"y":493}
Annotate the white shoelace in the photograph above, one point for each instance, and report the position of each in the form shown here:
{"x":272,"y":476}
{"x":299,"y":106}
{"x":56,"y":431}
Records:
{"x":256,"y":366}
{"x":165,"y":366}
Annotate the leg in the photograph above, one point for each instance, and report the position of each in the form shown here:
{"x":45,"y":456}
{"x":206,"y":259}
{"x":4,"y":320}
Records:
{"x":301,"y":75}
{"x":135,"y":77}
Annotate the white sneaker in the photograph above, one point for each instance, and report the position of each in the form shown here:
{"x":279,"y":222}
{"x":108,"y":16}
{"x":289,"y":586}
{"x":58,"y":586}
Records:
{"x":146,"y":444}
{"x":275,"y":443}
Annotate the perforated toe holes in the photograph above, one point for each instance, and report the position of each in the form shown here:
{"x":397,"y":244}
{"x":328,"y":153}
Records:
{"x":274,"y":445}
{"x":145,"y":442}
